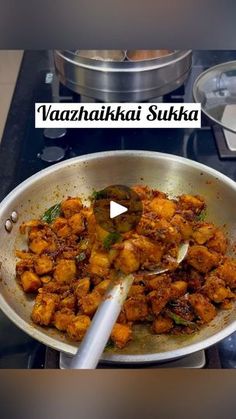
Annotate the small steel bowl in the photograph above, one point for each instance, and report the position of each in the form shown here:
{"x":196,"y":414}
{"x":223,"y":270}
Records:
{"x":145,"y":55}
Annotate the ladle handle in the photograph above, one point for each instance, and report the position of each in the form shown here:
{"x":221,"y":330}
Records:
{"x":96,"y":338}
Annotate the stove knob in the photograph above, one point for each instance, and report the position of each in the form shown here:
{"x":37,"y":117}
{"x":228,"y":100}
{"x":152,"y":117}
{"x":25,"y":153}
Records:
{"x":52,"y":154}
{"x":54,"y":133}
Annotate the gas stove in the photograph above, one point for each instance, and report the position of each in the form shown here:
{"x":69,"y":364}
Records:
{"x":25,"y":150}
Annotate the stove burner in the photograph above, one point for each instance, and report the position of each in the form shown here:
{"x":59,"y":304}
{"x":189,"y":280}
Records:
{"x":52,"y":154}
{"x":195,"y":360}
{"x":54,"y":133}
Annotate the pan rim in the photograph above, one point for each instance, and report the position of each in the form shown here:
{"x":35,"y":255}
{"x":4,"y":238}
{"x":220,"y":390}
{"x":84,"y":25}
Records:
{"x":120,"y":153}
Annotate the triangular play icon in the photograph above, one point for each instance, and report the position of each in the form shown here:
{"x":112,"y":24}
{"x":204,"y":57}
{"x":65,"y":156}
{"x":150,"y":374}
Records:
{"x":116,"y":209}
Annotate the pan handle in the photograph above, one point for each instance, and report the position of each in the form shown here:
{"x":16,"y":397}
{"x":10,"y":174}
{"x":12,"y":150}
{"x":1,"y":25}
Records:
{"x":95,"y":339}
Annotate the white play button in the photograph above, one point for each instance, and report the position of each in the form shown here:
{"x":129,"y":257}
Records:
{"x":116,"y":209}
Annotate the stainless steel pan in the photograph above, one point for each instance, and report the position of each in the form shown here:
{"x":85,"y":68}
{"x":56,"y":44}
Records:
{"x":81,"y":175}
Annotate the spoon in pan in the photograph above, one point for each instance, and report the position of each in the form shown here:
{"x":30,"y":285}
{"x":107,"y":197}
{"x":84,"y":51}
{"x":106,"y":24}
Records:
{"x":182,"y":252}
{"x":96,"y":337}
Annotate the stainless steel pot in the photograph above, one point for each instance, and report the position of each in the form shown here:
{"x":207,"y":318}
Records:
{"x":126,"y":81}
{"x":81,"y":175}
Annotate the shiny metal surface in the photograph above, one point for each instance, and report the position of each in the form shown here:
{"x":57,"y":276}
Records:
{"x":98,"y":54}
{"x":195,"y":360}
{"x":81,"y":175}
{"x":122,"y":81}
{"x":183,"y":250}
{"x":215,"y":89}
{"x":8,"y":225}
{"x":14,"y":217}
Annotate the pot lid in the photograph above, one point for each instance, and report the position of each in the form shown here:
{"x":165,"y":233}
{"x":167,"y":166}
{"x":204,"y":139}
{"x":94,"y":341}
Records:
{"x":215,"y":89}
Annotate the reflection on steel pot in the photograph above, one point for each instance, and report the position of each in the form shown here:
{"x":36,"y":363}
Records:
{"x":126,"y":81}
{"x":82,"y":175}
{"x":215,"y":89}
{"x":106,"y":55}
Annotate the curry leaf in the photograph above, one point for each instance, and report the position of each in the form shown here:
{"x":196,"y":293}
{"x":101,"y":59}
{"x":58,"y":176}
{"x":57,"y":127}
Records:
{"x":109,"y":345}
{"x":98,"y":195}
{"x":179,"y":320}
{"x":202,"y":215}
{"x":52,"y":213}
{"x":111,"y":239}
